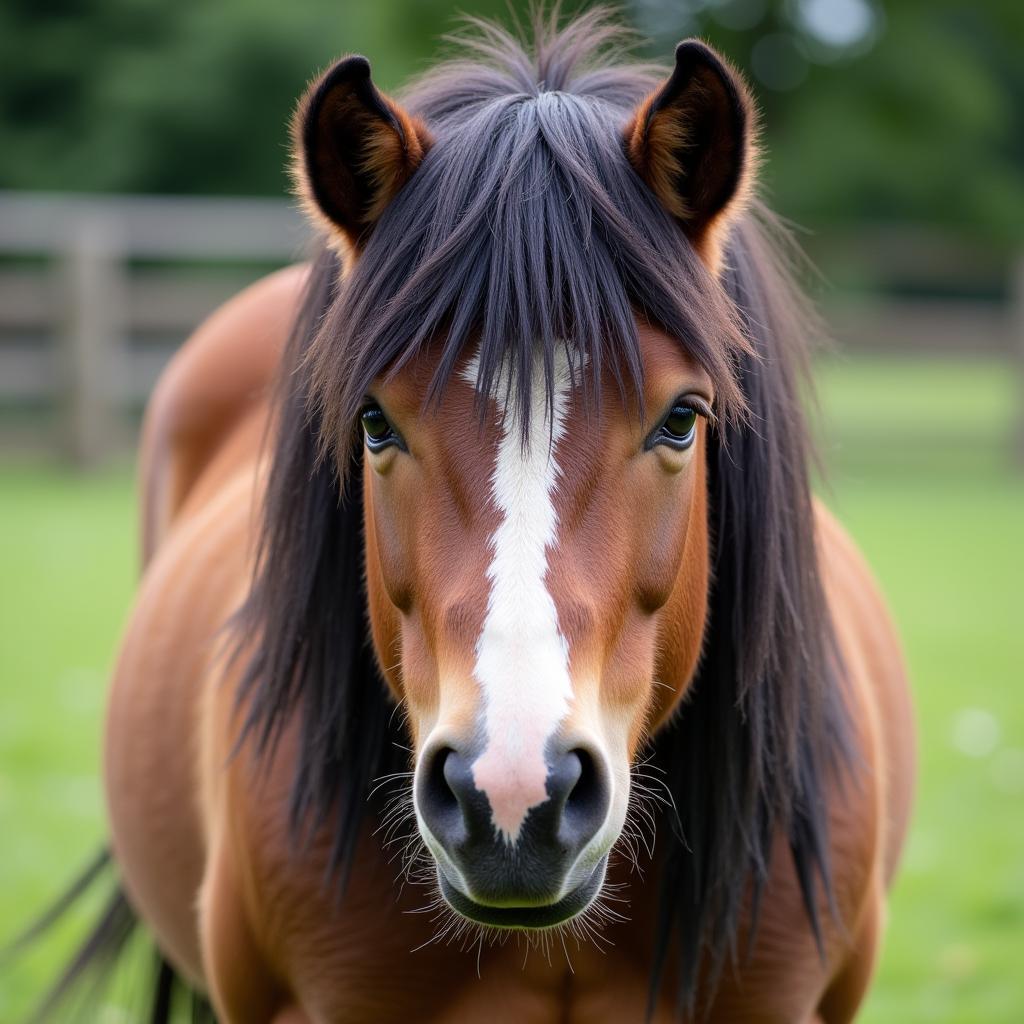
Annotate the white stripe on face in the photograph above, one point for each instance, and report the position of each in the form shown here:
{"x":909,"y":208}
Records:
{"x":522,"y":660}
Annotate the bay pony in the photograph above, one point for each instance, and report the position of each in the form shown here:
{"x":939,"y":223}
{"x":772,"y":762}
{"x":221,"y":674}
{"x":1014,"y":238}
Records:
{"x":493,"y":661}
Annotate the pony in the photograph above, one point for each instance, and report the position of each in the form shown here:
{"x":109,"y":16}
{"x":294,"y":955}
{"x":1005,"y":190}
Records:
{"x":492,"y":658}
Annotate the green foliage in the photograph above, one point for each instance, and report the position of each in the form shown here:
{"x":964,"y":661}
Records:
{"x":918,"y":121}
{"x":919,"y":118}
{"x":146,"y":96}
{"x":923,"y":128}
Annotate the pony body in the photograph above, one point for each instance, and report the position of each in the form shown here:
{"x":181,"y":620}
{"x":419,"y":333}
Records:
{"x":579,"y":532}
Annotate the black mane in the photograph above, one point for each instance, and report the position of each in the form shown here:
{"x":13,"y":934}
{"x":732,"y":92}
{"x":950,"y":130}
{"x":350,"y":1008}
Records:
{"x":524,"y":226}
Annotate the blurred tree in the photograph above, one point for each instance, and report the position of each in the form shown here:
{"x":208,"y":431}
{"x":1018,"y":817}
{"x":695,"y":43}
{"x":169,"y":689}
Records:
{"x":143,"y":95}
{"x":909,"y":111}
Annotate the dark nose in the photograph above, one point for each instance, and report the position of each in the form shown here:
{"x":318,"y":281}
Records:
{"x":533,"y":866}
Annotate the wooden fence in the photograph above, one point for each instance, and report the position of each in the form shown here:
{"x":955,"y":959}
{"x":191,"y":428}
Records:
{"x":97,"y":292}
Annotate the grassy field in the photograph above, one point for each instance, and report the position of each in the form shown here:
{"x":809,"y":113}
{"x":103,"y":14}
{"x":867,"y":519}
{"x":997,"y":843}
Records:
{"x":919,"y":473}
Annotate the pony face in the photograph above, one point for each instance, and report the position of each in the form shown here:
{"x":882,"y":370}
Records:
{"x":537,"y":595}
{"x":533,"y":452}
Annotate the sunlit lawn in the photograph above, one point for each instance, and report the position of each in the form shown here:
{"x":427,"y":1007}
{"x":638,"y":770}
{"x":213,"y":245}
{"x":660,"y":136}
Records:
{"x":922,"y":479}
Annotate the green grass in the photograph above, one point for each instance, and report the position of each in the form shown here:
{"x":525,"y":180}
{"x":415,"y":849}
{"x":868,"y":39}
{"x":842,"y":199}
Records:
{"x":67,"y":564}
{"x":921,"y":477}
{"x":923,"y":481}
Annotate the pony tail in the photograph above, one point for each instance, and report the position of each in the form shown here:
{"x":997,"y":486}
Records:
{"x":86,"y":978}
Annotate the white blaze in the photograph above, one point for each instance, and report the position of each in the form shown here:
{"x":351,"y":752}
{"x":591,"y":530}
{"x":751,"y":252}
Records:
{"x":522,"y":660}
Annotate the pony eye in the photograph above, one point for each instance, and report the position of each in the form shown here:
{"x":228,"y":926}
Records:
{"x":680,"y":422}
{"x":378,"y":432}
{"x":678,"y":429}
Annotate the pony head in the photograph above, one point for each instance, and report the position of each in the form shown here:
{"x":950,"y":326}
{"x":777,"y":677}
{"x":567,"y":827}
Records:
{"x":530,"y":432}
{"x":536,"y":511}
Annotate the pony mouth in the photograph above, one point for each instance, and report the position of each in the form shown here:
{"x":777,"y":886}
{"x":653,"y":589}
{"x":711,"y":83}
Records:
{"x":548,"y":915}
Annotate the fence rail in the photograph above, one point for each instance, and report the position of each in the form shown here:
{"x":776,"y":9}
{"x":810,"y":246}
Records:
{"x":97,"y":292}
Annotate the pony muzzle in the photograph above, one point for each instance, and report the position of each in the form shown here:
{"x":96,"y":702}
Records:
{"x":546,"y":870}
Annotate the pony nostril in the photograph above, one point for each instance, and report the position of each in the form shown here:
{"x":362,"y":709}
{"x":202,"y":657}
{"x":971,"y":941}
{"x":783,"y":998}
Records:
{"x":441,"y":786}
{"x":438,"y":797}
{"x":448,"y":799}
{"x":587,"y":798}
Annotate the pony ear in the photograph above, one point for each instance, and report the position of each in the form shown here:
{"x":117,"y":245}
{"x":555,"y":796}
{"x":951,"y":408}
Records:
{"x":354,"y":149}
{"x":692,"y":142}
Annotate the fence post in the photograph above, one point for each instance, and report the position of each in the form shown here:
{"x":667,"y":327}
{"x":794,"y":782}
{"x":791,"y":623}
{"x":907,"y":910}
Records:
{"x":1017,"y":356}
{"x":93,"y":285}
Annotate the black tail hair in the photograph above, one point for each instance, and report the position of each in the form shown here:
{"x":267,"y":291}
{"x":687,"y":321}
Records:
{"x":88,"y":973}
